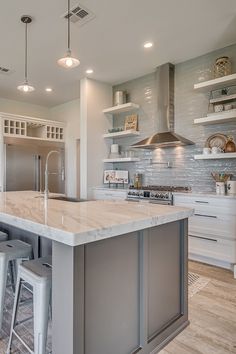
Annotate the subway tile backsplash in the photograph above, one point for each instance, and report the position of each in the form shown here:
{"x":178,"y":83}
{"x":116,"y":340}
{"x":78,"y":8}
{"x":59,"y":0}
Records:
{"x":189,"y":105}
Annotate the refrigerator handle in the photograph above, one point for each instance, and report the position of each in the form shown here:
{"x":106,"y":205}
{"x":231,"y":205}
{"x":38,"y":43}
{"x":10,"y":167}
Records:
{"x":37,"y":182}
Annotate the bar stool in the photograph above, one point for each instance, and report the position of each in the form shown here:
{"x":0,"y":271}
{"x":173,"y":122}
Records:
{"x":38,"y":274}
{"x":3,"y":236}
{"x":14,"y":250}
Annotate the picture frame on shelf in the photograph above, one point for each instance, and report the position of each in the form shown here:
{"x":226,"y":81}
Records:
{"x":131,"y":122}
{"x":116,"y":177}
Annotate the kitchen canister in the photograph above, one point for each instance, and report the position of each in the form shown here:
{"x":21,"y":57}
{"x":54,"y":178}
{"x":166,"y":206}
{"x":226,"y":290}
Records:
{"x":222,"y":67}
{"x":114,"y":149}
{"x":119,"y":98}
{"x":220,"y":187}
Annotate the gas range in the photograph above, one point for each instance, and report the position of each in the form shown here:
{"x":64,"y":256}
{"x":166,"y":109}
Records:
{"x":155,"y":194}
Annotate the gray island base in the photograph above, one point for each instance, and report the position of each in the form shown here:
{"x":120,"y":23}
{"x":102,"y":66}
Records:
{"x":123,"y":295}
{"x":119,"y":270}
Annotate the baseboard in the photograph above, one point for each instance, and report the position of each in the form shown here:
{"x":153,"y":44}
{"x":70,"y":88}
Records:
{"x":211,"y":261}
{"x":170,"y":338}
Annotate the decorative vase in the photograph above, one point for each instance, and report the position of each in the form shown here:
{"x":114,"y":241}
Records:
{"x":222,"y":67}
{"x":230,"y":145}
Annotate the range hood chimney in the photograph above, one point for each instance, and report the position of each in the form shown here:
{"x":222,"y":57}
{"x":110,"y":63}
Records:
{"x":165,"y":136}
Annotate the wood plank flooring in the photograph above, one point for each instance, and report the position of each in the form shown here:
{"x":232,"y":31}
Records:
{"x":212,"y":314}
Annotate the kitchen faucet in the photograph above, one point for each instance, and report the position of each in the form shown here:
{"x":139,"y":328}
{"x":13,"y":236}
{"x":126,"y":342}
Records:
{"x":47,"y":173}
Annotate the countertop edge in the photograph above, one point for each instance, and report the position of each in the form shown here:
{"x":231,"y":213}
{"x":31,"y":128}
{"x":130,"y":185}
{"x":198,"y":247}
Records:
{"x":71,"y":239}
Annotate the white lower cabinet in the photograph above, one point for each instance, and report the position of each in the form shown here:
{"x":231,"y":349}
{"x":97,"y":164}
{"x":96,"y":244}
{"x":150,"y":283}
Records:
{"x":106,"y":194}
{"x":212,"y":229}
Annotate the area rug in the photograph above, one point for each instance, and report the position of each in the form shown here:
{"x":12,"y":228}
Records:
{"x":196,"y":283}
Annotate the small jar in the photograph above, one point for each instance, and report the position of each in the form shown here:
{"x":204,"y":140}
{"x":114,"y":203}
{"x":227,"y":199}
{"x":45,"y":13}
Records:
{"x":222,"y":67}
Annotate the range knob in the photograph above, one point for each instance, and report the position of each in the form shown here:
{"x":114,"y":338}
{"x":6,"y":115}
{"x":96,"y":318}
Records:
{"x":157,"y":195}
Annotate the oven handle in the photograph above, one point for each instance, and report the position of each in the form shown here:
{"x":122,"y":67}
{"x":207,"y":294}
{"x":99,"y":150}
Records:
{"x":161,"y":202}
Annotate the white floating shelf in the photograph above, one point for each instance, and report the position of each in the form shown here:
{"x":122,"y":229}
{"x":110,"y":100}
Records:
{"x":126,"y":107}
{"x":223,"y":117}
{"x":224,"y":98}
{"x":122,"y":159}
{"x":229,"y":155}
{"x":216,"y":84}
{"x":122,"y":134}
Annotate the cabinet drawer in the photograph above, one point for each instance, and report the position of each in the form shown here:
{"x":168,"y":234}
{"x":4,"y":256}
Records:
{"x":220,"y":205}
{"x":106,"y":195}
{"x":213,"y":248}
{"x":213,"y":224}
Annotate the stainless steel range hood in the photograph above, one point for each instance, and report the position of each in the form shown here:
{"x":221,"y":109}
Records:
{"x":165,"y":136}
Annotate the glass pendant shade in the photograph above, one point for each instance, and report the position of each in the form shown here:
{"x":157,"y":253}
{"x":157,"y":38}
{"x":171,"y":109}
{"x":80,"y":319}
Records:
{"x":25,"y":87}
{"x":68,"y":61}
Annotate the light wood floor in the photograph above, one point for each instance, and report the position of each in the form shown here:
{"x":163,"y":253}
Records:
{"x":212,"y":314}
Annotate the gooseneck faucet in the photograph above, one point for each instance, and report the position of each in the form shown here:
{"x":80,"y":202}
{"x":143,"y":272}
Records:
{"x":47,"y":173}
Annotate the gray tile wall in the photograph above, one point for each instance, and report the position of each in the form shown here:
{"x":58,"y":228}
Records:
{"x":189,"y":105}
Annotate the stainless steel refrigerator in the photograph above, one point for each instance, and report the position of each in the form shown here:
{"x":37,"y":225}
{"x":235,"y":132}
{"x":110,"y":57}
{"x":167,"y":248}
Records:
{"x":25,"y":165}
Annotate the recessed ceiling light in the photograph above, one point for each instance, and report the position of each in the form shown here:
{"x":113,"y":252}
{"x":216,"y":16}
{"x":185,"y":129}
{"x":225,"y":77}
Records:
{"x":89,"y":71}
{"x":48,"y":89}
{"x":148,"y":45}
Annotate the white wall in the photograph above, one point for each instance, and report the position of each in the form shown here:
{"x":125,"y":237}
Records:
{"x":24,"y":108}
{"x":95,"y":96}
{"x":70,"y":114}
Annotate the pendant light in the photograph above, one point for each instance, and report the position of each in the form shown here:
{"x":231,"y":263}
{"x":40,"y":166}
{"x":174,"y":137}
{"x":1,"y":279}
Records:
{"x":26,"y":87}
{"x":68,"y":61}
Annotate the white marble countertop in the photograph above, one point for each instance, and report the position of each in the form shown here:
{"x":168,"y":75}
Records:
{"x":80,"y":223}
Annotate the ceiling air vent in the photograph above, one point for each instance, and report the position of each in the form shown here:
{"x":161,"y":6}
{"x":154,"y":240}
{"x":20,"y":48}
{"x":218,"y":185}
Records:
{"x":5,"y":71}
{"x":79,"y":14}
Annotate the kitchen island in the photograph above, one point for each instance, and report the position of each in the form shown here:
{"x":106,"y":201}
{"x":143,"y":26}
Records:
{"x":119,"y":270}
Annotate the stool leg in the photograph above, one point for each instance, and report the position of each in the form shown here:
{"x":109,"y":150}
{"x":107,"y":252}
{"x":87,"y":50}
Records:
{"x":3,"y":284}
{"x":14,"y":313}
{"x":12,"y":275}
{"x":41,"y":296}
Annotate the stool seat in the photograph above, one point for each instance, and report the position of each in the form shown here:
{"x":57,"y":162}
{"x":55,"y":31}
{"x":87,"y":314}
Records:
{"x":15,"y":249}
{"x":37,"y":270}
{"x":3,"y":236}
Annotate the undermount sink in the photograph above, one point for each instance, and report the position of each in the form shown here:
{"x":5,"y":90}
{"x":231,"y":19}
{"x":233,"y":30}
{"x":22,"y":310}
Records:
{"x":63,"y":198}
{"x":68,"y":199}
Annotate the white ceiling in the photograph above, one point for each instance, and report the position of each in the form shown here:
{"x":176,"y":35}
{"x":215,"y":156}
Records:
{"x":111,"y":43}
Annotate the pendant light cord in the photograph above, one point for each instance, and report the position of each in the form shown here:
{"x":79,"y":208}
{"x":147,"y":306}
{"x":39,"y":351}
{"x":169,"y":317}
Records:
{"x":26,"y":51}
{"x":68,"y":15}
